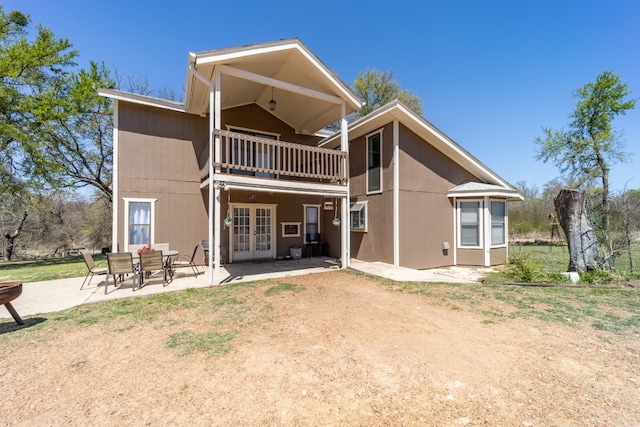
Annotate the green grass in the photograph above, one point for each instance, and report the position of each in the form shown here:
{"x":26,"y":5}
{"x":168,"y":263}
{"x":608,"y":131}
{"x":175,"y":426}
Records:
{"x":540,"y":264}
{"x":38,"y":270}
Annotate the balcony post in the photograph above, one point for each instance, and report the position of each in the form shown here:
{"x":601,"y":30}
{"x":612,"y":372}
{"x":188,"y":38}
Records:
{"x":345,"y":242}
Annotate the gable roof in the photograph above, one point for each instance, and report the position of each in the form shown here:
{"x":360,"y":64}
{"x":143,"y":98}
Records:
{"x":396,"y":110}
{"x":307,"y":94}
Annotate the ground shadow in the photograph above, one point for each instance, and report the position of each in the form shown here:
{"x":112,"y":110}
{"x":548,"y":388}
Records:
{"x":9,"y":325}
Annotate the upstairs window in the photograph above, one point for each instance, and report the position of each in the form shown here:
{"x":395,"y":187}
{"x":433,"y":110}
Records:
{"x":374,"y":162}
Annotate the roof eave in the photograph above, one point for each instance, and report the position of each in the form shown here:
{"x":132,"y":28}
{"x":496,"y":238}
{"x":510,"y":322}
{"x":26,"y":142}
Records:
{"x":141,"y":99}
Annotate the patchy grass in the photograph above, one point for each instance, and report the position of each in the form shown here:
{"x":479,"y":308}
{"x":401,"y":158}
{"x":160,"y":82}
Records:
{"x":611,"y":310}
{"x":283,"y":287}
{"x":38,"y":270}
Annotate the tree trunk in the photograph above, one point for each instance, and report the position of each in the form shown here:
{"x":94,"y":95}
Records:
{"x":11,"y":237}
{"x":581,"y":239}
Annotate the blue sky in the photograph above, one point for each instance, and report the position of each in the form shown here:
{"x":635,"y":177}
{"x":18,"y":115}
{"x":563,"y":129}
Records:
{"x":490,"y":73}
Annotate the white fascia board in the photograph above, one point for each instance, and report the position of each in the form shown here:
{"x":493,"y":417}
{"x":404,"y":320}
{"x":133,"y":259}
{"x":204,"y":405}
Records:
{"x":276,"y":186}
{"x":507,"y":193}
{"x":217,"y":56}
{"x":141,"y":99}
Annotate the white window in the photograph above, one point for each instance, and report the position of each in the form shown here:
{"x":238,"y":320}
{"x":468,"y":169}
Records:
{"x":311,"y":222}
{"x":140,"y":219}
{"x":498,"y":223}
{"x":470,"y":223}
{"x":358,"y":216}
{"x":374,"y":162}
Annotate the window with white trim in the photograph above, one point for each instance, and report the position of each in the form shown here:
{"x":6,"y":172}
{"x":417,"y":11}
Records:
{"x":140,"y":215}
{"x":470,"y":223}
{"x":358,"y":216}
{"x":374,"y":162}
{"x":311,"y":220}
{"x":498,"y":223}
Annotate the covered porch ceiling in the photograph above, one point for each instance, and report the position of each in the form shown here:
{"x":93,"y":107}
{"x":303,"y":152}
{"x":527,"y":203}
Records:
{"x":308,"y":95}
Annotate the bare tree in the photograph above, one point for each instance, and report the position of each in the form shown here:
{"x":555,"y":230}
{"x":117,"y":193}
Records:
{"x":581,"y":239}
{"x":11,"y":237}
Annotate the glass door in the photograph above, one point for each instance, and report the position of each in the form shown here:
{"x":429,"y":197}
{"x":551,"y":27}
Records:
{"x":252,"y":232}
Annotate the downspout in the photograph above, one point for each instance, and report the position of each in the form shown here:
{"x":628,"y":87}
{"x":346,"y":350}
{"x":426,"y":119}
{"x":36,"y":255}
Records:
{"x":114,"y":181}
{"x":345,"y":238}
{"x":212,"y":88}
{"x":396,"y":193}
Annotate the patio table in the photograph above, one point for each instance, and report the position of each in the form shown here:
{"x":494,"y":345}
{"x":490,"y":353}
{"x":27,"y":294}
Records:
{"x":166,"y":255}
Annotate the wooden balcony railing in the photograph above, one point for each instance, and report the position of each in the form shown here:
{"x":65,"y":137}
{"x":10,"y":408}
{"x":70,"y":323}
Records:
{"x":267,"y":158}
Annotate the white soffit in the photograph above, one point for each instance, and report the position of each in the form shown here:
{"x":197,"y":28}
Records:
{"x":307,"y":94}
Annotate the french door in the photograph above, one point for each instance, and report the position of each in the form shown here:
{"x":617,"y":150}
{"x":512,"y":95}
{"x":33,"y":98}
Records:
{"x":252,"y":232}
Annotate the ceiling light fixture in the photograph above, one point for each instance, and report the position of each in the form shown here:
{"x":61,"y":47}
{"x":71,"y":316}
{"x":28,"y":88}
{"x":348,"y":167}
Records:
{"x":272,"y":103}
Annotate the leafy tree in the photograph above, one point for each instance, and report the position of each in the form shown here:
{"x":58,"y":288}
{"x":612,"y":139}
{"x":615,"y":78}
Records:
{"x":75,"y":128}
{"x":377,"y":88}
{"x":30,"y":69}
{"x":588,"y":149}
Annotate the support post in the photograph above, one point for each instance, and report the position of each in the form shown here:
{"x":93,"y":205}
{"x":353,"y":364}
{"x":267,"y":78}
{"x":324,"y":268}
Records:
{"x":345,"y":241}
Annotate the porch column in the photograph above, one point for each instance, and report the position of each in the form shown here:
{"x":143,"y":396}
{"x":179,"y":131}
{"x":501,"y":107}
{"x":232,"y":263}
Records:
{"x":486,"y":215}
{"x":215,"y":251}
{"x":345,"y":238}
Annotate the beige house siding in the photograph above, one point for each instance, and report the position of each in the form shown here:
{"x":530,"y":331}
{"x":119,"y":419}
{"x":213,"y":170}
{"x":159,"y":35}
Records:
{"x":377,"y":243}
{"x":157,"y":160}
{"x":470,"y":257}
{"x":498,"y":256}
{"x":426,"y":213}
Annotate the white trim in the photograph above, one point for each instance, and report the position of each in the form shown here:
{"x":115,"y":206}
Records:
{"x":241,"y":182}
{"x":487,"y":232}
{"x":214,"y":98}
{"x":366,"y":153}
{"x":364,"y":205}
{"x":455,"y":231}
{"x":114,"y":179}
{"x":345,"y":235}
{"x":134,"y":98}
{"x":481,"y":225}
{"x":268,"y":81}
{"x":284,"y":224}
{"x":396,"y":192}
{"x":304,"y":213}
{"x":152,"y":219}
{"x":500,"y":245}
{"x":252,"y":210}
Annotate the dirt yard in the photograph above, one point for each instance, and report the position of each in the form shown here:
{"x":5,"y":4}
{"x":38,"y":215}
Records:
{"x":344,"y":350}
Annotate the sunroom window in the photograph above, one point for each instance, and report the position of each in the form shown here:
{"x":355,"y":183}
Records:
{"x":498,"y":229}
{"x":469,"y":223}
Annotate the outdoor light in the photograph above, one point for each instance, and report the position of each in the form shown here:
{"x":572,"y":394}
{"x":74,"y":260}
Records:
{"x":272,"y":103}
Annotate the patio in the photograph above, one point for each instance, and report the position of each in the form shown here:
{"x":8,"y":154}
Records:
{"x":56,"y":295}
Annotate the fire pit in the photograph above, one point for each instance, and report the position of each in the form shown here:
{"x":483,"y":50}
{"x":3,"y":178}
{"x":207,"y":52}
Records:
{"x":8,"y":292}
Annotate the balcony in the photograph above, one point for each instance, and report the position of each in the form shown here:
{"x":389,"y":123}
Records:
{"x":270,"y":159}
